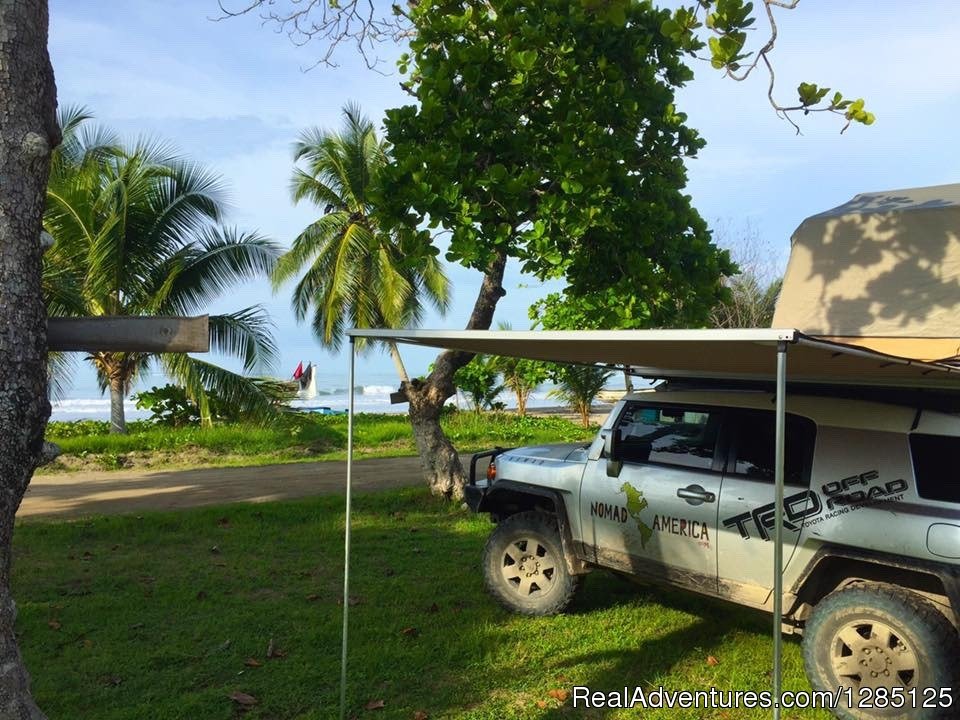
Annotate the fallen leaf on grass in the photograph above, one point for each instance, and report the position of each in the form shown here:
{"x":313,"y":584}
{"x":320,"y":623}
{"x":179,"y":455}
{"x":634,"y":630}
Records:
{"x":252,"y":662}
{"x":273,"y":651}
{"x":558,"y":694}
{"x":420,"y":715}
{"x":312,"y":597}
{"x":241,"y":698}
{"x":223,"y":522}
{"x":54,"y":624}
{"x":375,"y":705}
{"x":711,"y":661}
{"x":542,"y":704}
{"x":410,"y":632}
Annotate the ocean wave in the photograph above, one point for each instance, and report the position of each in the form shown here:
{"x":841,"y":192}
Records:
{"x":87,"y":405}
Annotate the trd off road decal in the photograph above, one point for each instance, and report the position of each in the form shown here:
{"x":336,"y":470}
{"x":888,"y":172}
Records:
{"x":835,"y":499}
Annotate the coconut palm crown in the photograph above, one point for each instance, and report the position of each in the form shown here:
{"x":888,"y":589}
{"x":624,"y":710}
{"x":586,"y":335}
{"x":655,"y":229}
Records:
{"x":351,"y":274}
{"x":138,"y":231}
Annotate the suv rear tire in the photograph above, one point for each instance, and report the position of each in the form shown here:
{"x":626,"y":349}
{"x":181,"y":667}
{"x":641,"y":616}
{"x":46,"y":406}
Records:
{"x":873,"y":636}
{"x":524,"y":568}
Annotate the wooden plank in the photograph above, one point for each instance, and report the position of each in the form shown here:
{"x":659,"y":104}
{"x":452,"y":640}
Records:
{"x":129,"y":334}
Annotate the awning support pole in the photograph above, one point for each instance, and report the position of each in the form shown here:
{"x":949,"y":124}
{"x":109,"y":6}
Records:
{"x":778,"y":526}
{"x":346,"y":538}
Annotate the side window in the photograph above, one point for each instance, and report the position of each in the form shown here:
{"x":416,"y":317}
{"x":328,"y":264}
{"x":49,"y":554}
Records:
{"x":668,"y":435}
{"x":756,"y":436}
{"x":935,"y":459}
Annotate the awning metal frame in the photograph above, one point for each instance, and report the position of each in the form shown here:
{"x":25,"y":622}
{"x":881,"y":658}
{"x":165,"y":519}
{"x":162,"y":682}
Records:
{"x":778,"y":341}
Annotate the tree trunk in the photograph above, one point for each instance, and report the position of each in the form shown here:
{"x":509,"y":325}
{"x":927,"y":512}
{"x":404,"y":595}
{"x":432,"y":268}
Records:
{"x":584,"y":408}
{"x":28,"y":132}
{"x":398,"y":361}
{"x":627,"y":381}
{"x":441,"y":465}
{"x":522,"y":402}
{"x":118,"y":420}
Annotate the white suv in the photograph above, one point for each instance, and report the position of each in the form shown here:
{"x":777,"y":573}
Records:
{"x":677,"y":489}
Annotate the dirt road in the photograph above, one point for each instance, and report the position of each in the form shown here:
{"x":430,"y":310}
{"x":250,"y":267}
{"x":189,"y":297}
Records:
{"x":71,"y":495}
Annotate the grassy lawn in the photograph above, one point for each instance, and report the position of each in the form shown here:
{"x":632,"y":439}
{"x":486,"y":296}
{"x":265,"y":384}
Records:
{"x":88,"y":445}
{"x":164,"y":616}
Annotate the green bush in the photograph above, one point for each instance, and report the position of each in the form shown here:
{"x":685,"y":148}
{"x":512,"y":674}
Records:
{"x":171,"y":406}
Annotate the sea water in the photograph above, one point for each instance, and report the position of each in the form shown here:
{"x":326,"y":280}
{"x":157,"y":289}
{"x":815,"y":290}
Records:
{"x":84,"y":401}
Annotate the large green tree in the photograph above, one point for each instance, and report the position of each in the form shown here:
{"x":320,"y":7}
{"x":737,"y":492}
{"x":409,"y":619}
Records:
{"x":139,"y":231}
{"x":351,"y":274}
{"x":546,"y":132}
{"x":715,"y":31}
{"x":575,"y":83}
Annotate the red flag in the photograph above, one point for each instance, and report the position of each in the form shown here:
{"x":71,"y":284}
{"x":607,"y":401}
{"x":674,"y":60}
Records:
{"x":299,"y":371}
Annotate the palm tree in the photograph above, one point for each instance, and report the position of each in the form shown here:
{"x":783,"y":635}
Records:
{"x":353,"y":274}
{"x":138,"y":231}
{"x":578,"y":386}
{"x":520,"y":375}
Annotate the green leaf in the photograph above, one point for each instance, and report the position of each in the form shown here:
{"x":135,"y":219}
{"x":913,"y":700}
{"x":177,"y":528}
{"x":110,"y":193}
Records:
{"x":810,"y":94}
{"x":497,"y":172}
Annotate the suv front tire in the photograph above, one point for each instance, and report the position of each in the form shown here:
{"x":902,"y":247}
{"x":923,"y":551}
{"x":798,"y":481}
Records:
{"x":524,"y":567}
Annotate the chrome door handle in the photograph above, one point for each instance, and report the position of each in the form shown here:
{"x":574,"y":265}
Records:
{"x":696,"y":495}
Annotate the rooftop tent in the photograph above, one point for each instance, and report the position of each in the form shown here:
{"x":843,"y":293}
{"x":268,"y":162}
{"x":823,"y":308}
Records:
{"x":881,"y":271}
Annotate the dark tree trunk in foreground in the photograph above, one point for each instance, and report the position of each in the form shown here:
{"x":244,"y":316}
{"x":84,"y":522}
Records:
{"x":438,"y":457}
{"x":28,"y":132}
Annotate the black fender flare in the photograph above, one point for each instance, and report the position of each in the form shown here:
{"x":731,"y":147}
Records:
{"x":948,"y":575}
{"x":498,"y":492}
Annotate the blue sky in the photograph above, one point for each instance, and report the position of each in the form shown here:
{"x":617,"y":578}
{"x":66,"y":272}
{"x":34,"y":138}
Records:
{"x":234,"y":95}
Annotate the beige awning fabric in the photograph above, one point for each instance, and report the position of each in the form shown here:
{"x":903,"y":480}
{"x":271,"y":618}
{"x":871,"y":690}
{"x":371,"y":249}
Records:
{"x":880,"y":271}
{"x":715,"y":354}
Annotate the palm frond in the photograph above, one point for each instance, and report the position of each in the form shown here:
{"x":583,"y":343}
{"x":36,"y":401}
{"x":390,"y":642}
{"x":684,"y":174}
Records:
{"x":308,"y":244}
{"x":60,"y":368}
{"x":435,"y":284}
{"x":305,"y":186}
{"x":246,"y":334}
{"x":259,"y":399}
{"x":217,"y":260}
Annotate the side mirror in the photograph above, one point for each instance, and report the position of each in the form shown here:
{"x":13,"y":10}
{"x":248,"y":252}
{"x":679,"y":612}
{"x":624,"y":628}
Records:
{"x":614,"y":464}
